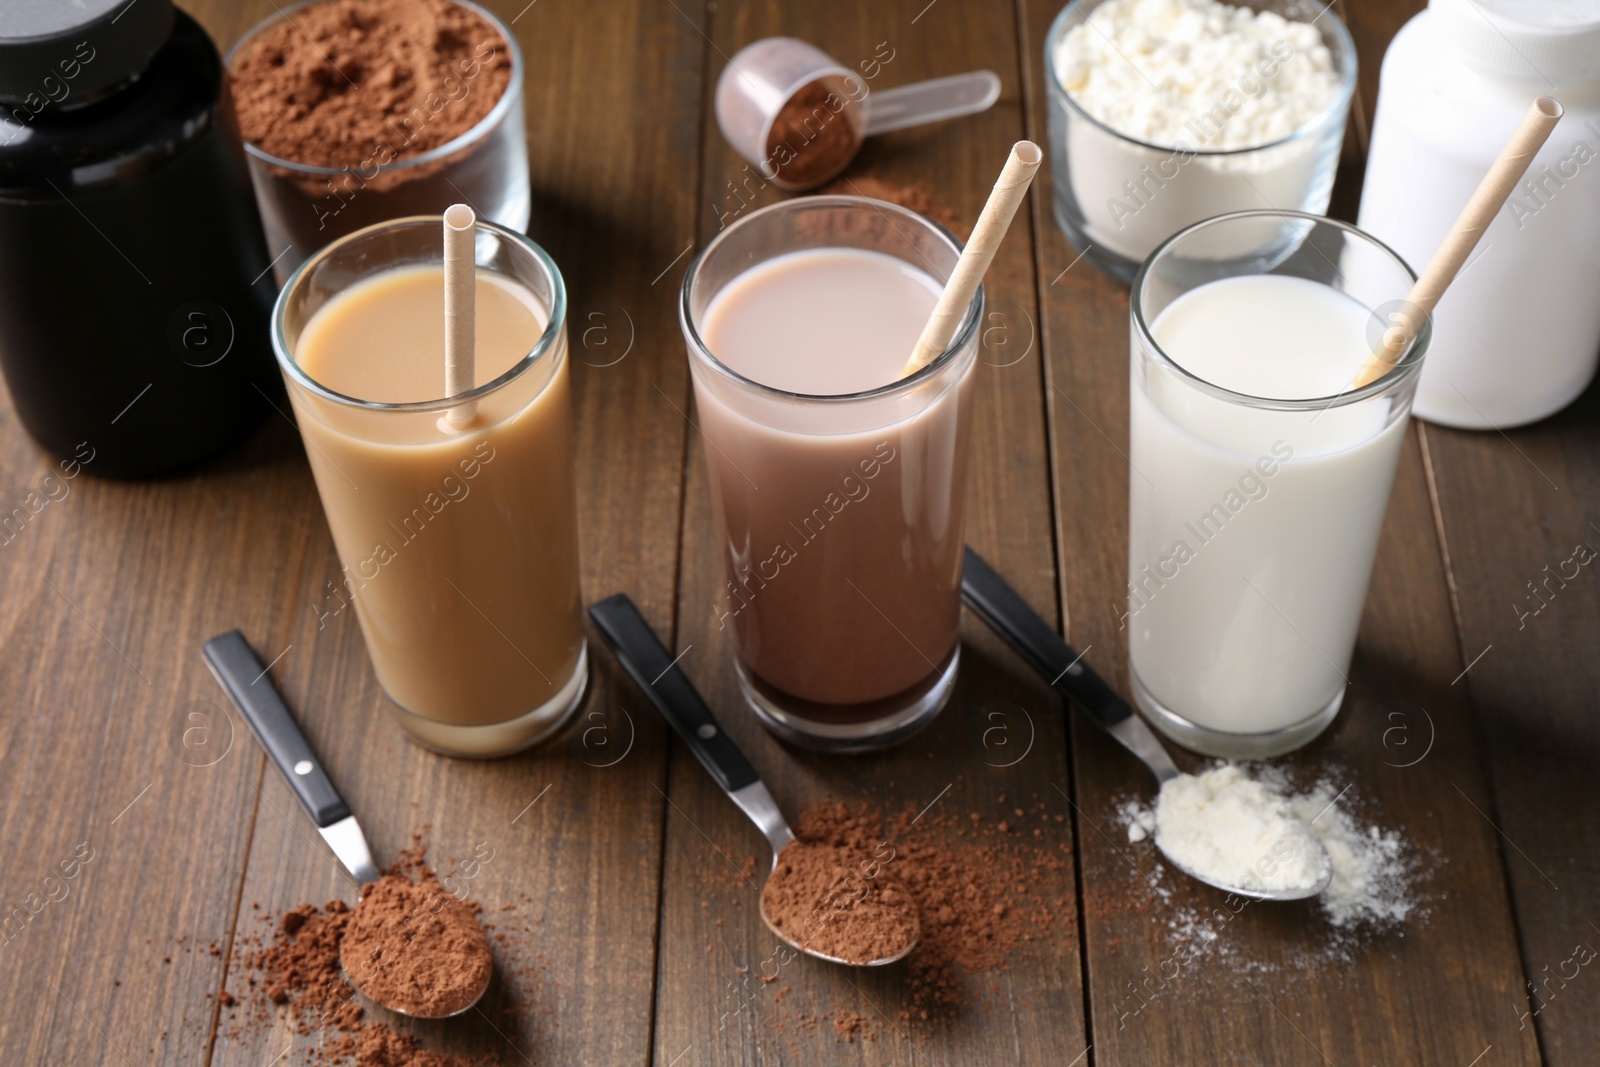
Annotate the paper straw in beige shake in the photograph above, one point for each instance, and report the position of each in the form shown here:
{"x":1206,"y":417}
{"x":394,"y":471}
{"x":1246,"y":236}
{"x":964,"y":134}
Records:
{"x":990,"y":230}
{"x":460,"y":309}
{"x":1458,"y":244}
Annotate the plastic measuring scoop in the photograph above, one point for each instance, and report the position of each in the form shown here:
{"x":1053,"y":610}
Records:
{"x":800,"y":116}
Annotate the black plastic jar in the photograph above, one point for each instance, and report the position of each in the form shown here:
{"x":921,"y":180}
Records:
{"x":134,"y":281}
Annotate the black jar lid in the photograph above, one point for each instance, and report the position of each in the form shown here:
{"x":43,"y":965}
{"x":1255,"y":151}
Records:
{"x":85,"y":46}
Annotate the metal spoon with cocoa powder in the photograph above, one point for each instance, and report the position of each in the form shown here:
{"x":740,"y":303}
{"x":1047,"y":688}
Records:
{"x":819,"y":900}
{"x":446,"y":964}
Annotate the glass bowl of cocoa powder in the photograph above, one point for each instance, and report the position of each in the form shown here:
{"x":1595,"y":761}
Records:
{"x":355,"y":112}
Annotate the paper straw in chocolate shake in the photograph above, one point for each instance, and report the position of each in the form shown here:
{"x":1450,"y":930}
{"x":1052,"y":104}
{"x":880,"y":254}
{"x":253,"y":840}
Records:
{"x":1487,"y":200}
{"x":990,"y":230}
{"x":460,"y":311}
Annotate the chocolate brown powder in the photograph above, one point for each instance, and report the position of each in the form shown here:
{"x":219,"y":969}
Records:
{"x":972,"y":898}
{"x":811,"y":139}
{"x":412,"y":946}
{"x":915,"y":195}
{"x":832,"y":900}
{"x":379,"y":1046}
{"x":362,"y":83}
{"x":302,"y":964}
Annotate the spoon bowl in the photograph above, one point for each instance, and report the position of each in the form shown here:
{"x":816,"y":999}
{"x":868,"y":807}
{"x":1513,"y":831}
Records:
{"x":1136,"y":737}
{"x":1299,"y":893}
{"x":350,"y":969}
{"x":758,"y":804}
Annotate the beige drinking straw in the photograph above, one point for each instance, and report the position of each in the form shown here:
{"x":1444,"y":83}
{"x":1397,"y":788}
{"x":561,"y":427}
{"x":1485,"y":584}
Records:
{"x":993,"y":221}
{"x":460,"y":298}
{"x":1458,"y":244}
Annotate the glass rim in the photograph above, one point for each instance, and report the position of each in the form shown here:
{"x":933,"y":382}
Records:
{"x":552,"y":331}
{"x":1409,"y":364}
{"x":1339,"y":106}
{"x":477,"y":132}
{"x":963,"y":335}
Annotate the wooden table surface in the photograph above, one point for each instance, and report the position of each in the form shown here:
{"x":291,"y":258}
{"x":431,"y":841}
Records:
{"x":1465,"y":727}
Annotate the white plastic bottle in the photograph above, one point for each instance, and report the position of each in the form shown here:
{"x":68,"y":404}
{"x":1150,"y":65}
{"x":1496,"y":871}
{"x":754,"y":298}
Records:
{"x":1517,"y":336}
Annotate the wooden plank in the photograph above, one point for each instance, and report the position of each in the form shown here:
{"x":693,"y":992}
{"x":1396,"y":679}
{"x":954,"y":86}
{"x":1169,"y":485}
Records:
{"x":1372,"y":26}
{"x":612,"y":106}
{"x":115,"y":747}
{"x":1514,"y":509}
{"x":1271,"y":991}
{"x":711,"y":1010}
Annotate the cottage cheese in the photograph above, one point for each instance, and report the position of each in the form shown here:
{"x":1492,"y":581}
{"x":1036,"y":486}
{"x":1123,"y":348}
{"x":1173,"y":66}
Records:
{"x":1182,"y":77}
{"x":1196,"y":73}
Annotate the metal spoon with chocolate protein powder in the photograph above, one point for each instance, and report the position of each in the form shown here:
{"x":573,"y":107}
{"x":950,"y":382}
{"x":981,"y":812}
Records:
{"x":812,"y":901}
{"x":243,"y":676}
{"x":987,"y":594}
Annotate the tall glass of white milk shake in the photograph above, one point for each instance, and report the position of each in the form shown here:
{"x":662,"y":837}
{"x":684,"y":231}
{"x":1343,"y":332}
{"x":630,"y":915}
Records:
{"x":1258,"y":478}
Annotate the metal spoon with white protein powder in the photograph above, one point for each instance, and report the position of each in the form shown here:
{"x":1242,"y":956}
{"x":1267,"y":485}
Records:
{"x":1221,"y":828}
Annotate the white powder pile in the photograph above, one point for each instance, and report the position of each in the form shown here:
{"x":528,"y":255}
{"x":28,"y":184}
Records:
{"x":1225,"y":821}
{"x":1230,"y":829}
{"x":1165,"y":71}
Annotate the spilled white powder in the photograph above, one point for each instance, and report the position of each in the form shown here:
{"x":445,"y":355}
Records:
{"x":1230,"y":829}
{"x":1140,"y":820}
{"x":1373,"y":869}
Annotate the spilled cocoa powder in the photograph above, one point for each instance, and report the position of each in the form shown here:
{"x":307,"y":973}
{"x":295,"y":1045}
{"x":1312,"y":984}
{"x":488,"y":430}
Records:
{"x":302,"y":963}
{"x":988,"y":887}
{"x":917,"y":196}
{"x":821,"y":898}
{"x":299,"y":968}
{"x":379,"y":1046}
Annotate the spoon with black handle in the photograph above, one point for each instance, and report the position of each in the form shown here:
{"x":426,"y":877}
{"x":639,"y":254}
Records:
{"x":243,"y":676}
{"x":650,"y":665}
{"x":1003,"y":608}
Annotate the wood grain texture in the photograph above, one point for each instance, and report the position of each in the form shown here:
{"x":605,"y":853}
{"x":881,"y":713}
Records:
{"x":1278,"y":984}
{"x":1372,"y":26}
{"x":1515,"y":509}
{"x":574,"y":826}
{"x":115,"y":746}
{"x":711,"y":1009}
{"x":633,"y":936}
{"x":1511,"y":510}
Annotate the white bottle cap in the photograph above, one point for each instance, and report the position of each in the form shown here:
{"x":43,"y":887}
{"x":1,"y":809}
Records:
{"x":1554,"y":43}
